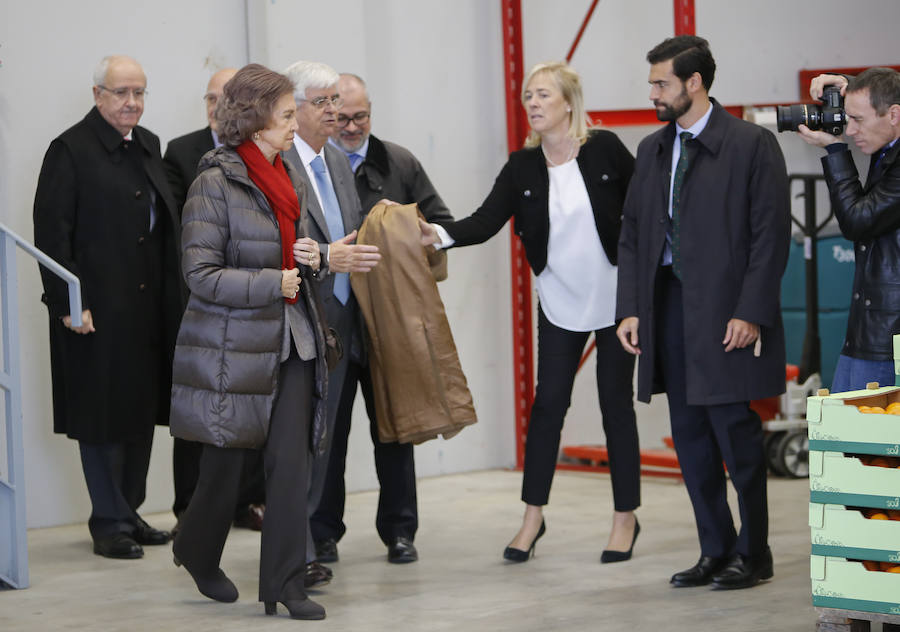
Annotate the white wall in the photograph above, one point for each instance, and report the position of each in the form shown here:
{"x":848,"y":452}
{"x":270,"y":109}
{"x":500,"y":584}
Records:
{"x":436,"y":76}
{"x":48,"y":53}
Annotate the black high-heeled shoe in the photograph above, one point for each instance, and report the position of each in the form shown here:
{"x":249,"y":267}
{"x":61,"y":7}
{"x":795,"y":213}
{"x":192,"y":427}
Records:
{"x":216,"y":586}
{"x":518,"y":555}
{"x":608,"y":557}
{"x":299,"y":609}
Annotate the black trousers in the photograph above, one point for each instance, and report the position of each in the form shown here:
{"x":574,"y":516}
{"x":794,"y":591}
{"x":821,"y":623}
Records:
{"x":704,"y":436}
{"x":394,"y":464}
{"x":207,"y":520}
{"x":116,"y":477}
{"x":559,"y":352}
{"x":186,"y":471}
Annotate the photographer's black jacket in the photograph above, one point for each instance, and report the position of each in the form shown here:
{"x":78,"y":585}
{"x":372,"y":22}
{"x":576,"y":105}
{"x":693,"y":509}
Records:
{"x":870,"y":217}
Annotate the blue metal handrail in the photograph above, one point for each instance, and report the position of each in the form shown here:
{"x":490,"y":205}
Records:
{"x":13,"y":538}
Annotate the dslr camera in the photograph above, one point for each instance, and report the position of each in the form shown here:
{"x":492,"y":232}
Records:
{"x":828,"y":117}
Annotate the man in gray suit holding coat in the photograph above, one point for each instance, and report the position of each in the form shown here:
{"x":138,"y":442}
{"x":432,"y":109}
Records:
{"x":335,"y":214}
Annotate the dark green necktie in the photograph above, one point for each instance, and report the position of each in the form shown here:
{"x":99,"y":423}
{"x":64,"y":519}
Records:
{"x":680,"y":170}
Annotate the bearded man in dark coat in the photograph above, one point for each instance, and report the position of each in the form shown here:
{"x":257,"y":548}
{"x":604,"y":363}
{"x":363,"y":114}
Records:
{"x":703,"y":246}
{"x":103,"y":210}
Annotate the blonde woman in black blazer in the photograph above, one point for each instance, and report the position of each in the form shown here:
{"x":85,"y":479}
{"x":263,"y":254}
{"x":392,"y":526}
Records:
{"x":565,"y":191}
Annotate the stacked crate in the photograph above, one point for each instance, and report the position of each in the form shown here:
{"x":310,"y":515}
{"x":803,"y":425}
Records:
{"x":853,"y":474}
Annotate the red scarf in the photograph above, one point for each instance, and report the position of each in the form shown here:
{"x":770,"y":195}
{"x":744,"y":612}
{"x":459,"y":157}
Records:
{"x":276,"y":185}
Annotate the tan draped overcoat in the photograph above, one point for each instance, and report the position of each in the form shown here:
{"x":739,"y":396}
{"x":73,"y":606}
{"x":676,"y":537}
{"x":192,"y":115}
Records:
{"x":419,"y":386}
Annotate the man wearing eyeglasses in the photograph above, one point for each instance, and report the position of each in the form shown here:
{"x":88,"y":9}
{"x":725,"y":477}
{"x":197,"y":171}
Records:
{"x":184,"y":153}
{"x":181,"y":159}
{"x":103,"y":210}
{"x":382,"y":170}
{"x":334,"y":215}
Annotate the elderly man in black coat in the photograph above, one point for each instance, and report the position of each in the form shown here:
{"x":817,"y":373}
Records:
{"x":703,"y":246}
{"x":103,"y":209}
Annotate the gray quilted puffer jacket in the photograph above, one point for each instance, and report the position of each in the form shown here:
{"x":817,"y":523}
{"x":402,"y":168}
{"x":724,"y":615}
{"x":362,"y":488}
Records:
{"x":227,"y":355}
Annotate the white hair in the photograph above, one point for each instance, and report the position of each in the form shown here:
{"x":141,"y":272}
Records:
{"x":101,"y":70}
{"x":310,"y":74}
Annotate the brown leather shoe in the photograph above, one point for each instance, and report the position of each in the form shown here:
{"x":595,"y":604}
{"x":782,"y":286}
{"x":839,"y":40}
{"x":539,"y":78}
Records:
{"x":250,"y":517}
{"x":317,"y":575}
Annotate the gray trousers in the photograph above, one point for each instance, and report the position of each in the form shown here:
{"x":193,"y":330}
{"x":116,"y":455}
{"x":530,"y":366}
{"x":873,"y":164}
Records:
{"x":318,"y":467}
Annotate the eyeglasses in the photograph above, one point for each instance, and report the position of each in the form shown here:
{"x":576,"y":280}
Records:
{"x":320,"y":102}
{"x":359,"y":118}
{"x":122,"y":93}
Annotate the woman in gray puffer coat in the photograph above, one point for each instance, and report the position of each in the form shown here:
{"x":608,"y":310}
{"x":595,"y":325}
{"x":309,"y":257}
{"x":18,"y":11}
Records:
{"x":249,"y":369}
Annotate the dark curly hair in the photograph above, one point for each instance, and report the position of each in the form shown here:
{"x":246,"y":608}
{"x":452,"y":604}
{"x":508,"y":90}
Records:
{"x":247,"y":102}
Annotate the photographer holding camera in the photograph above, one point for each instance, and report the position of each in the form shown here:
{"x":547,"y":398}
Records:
{"x":869,"y":216}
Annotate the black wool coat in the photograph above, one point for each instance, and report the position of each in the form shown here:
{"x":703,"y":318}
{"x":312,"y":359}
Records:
{"x":392,"y":172}
{"x":92,"y":215}
{"x":735,"y":231}
{"x":522,"y":191}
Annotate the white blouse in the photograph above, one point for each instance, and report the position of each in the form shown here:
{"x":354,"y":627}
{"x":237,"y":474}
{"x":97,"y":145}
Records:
{"x":577,"y":288}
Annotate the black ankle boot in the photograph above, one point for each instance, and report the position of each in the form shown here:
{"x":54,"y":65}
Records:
{"x":215,"y":585}
{"x":299,"y":609}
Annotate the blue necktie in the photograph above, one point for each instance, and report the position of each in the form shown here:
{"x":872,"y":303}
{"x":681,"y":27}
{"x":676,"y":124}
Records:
{"x":335,"y":223}
{"x":680,"y":170}
{"x":355,"y":161}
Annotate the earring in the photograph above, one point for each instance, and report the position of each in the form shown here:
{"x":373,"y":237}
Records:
{"x":255,"y":135}
{"x":568,"y":109}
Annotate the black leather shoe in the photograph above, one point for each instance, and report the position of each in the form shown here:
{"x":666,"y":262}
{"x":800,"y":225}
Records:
{"x":700,"y":574}
{"x":402,"y":551}
{"x":299,"y":609}
{"x":316,"y":575}
{"x":326,"y":551}
{"x":518,"y":555}
{"x":744,"y":572}
{"x":608,"y":556}
{"x":147,"y":535}
{"x":120,"y":546}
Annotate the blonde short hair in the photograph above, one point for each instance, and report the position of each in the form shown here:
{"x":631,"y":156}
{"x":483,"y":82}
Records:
{"x":569,"y":83}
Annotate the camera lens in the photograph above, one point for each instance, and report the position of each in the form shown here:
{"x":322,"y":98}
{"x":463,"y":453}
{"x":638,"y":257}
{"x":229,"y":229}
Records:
{"x":790,"y":116}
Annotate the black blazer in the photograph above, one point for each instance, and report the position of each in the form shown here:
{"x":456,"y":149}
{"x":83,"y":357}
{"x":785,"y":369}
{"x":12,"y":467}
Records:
{"x":522,"y":191}
{"x":183,"y":154}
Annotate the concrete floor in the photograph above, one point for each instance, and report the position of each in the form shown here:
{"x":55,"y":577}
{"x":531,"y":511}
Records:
{"x":460,"y":582}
